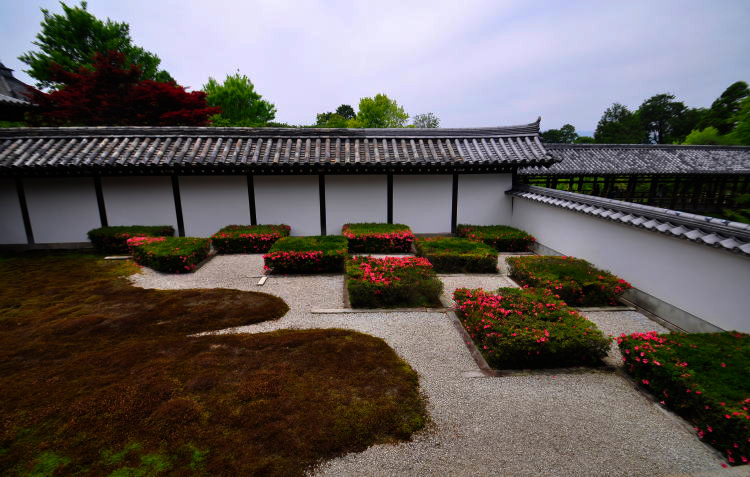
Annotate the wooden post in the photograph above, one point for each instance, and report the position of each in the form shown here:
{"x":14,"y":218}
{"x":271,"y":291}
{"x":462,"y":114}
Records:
{"x":632,"y":179}
{"x":675,"y":192}
{"x":650,"y":200}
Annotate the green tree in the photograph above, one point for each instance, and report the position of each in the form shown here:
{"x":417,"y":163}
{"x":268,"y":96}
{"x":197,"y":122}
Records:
{"x":566,"y":134}
{"x":427,"y":120}
{"x":584,"y":140}
{"x":618,"y":125}
{"x":346,"y":112}
{"x":330,"y":120}
{"x":379,"y":112}
{"x":662,"y":117}
{"x":725,"y":108}
{"x":240,"y":104}
{"x":707,"y":136}
{"x":741,"y":132}
{"x":71,"y":39}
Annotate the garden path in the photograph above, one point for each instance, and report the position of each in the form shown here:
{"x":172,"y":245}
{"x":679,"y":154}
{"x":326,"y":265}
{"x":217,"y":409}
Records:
{"x":580,"y":423}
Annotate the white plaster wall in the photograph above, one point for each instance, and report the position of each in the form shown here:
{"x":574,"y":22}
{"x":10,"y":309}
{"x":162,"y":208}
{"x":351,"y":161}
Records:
{"x":61,"y":209}
{"x":423,"y":202}
{"x":291,"y":200}
{"x":482,"y":199}
{"x":711,"y":284}
{"x":211,"y":202}
{"x":11,"y":220}
{"x":362,"y":198}
{"x":139,"y":200}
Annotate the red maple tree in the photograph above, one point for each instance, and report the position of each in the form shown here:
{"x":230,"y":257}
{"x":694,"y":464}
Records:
{"x":111,"y":94}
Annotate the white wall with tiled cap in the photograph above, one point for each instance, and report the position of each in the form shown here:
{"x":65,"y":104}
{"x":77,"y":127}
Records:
{"x":139,"y":200}
{"x":482,"y":199}
{"x":292,"y":200}
{"x":360,"y":198}
{"x":211,"y":202}
{"x":11,"y":220}
{"x":61,"y":209}
{"x":710,"y":283}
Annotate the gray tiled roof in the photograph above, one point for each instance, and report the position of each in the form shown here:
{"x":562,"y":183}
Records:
{"x":12,"y":88}
{"x":205,"y":150}
{"x":731,"y":236}
{"x":577,"y":159}
{"x":13,"y":101}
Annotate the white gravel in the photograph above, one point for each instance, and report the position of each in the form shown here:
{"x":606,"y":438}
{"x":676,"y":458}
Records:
{"x":588,"y":423}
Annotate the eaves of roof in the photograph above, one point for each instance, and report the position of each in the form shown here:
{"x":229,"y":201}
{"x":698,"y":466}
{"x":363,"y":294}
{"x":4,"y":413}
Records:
{"x":709,"y":231}
{"x":190,"y":150}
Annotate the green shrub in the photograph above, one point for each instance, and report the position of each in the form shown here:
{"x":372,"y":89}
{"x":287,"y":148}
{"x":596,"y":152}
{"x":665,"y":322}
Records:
{"x":314,"y":254}
{"x":172,"y":254}
{"x":574,"y":280}
{"x":458,"y":255}
{"x":517,"y":329}
{"x":392,"y":282}
{"x":704,"y":377}
{"x":500,"y":237}
{"x":378,"y":238}
{"x":248,"y":238}
{"x":114,"y":239}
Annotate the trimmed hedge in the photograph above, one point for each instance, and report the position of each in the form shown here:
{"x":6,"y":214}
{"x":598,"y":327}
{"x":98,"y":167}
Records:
{"x":574,"y":280}
{"x":170,"y":254}
{"x":314,"y":254}
{"x":501,"y":237}
{"x":518,"y":329}
{"x":392,"y":282}
{"x":248,"y":238}
{"x":458,"y":255}
{"x":378,"y":238}
{"x":114,"y":239}
{"x":704,"y":377}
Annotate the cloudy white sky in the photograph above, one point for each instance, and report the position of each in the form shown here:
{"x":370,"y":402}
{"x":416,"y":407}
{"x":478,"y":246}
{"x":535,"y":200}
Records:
{"x":473,"y":63}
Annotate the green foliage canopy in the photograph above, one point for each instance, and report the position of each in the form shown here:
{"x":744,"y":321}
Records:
{"x":380,"y":112}
{"x":346,"y":112}
{"x":71,"y":39}
{"x":240,"y":104}
{"x":566,"y":134}
{"x":618,"y":125}
{"x":741,"y":132}
{"x":427,"y":120}
{"x":660,"y":116}
{"x":725,"y":108}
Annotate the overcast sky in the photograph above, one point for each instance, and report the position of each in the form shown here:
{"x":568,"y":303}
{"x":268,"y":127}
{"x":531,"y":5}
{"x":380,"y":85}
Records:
{"x":473,"y":63}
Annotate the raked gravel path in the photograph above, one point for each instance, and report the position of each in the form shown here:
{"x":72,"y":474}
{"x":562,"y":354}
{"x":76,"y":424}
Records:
{"x":586,"y":423}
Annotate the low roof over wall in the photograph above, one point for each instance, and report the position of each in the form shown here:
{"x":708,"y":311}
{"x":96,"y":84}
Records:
{"x":191,"y":150}
{"x":602,"y":159}
{"x":724,"y":234}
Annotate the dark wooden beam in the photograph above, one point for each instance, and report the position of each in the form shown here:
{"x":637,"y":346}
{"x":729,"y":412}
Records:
{"x":100,"y":201}
{"x":454,"y":205}
{"x":24,"y":211}
{"x":322,"y":200}
{"x":178,"y":205}
{"x":251,"y":199}
{"x":389,"y":182}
